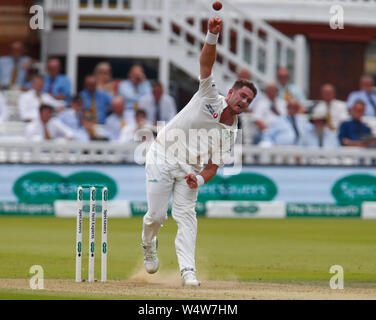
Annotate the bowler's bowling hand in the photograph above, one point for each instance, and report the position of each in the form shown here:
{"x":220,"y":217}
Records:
{"x":215,"y":25}
{"x":191,"y":181}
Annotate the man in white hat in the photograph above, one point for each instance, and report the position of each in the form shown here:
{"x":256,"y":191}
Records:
{"x":319,"y":135}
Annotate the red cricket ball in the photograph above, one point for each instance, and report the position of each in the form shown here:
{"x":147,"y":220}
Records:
{"x":217,"y":6}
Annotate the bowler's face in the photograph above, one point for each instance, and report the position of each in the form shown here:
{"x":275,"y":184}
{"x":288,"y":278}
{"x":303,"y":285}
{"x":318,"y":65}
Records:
{"x":239,"y":100}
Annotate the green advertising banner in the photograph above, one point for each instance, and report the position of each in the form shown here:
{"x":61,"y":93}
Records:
{"x":319,"y":192}
{"x":26,"y":209}
{"x":40,"y":187}
{"x":322,"y":210}
{"x":355,"y":189}
{"x":139,"y":208}
{"x":242,"y":187}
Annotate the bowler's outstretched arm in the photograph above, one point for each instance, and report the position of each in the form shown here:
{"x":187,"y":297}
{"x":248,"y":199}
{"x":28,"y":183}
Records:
{"x":208,"y":53}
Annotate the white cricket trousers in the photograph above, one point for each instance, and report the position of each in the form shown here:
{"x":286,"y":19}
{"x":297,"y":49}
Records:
{"x":162,"y":180}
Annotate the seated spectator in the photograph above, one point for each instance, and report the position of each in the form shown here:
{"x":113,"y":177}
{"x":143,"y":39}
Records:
{"x":115,"y":122}
{"x":365,"y":94}
{"x":47,"y":127}
{"x":95,"y":132}
{"x":55,"y":83}
{"x":158,"y":105}
{"x":288,"y":90}
{"x":97,"y":101}
{"x":133,"y":89}
{"x":140,"y":131}
{"x":353,"y":133}
{"x":31,"y":73}
{"x":72,"y":117}
{"x":286,"y":130}
{"x":319,"y":135}
{"x":13,"y":68}
{"x":3,"y":109}
{"x":336,"y":110}
{"x":268,"y":108}
{"x":103,"y":75}
{"x":30,"y":101}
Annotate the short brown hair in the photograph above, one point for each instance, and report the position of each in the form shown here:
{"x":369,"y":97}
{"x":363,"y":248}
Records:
{"x":357,"y":102}
{"x":140,"y":112}
{"x":44,"y":106}
{"x":245,"y":83}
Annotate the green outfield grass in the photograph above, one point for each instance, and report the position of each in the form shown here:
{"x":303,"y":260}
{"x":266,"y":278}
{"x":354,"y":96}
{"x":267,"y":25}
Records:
{"x":286,"y":250}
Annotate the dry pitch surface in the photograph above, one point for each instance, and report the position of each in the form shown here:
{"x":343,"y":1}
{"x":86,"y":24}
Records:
{"x":144,"y":286}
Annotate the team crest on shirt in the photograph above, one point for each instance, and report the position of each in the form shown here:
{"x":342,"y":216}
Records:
{"x":211,"y":110}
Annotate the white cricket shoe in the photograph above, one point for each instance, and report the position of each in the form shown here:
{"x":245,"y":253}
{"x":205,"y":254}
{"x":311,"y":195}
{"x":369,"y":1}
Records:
{"x":188,"y":277}
{"x":151,"y":261}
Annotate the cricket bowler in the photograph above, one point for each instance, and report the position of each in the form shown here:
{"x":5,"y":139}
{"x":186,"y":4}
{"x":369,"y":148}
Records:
{"x":177,"y":166}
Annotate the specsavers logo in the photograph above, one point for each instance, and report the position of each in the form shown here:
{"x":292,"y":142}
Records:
{"x":355,"y":189}
{"x":244,"y":186}
{"x":48,"y":186}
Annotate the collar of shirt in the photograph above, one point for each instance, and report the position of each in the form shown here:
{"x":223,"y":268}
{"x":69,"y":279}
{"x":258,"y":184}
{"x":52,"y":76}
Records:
{"x":90,"y":94}
{"x":234,"y":126}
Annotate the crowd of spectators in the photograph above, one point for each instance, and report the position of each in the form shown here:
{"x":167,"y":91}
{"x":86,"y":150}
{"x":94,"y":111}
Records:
{"x":116,"y":110}
{"x":105,"y":109}
{"x":282,"y":116}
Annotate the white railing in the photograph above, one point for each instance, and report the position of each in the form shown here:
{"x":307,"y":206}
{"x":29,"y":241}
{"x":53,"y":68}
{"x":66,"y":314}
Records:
{"x":115,"y":153}
{"x":260,"y":49}
{"x":330,"y":1}
{"x":292,"y":155}
{"x":12,"y":128}
{"x":47,"y":152}
{"x":256,"y":46}
{"x":356,"y":12}
{"x":324,"y":2}
{"x":56,"y":6}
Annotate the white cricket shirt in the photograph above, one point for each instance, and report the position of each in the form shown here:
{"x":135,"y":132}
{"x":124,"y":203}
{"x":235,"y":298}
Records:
{"x":195,"y":134}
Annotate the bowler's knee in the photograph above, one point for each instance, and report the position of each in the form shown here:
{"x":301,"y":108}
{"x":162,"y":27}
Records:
{"x":179,"y":209}
{"x":153,"y":216}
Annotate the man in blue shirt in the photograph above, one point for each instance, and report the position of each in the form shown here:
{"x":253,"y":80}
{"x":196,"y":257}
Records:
{"x":288,"y":129}
{"x":13,"y":68}
{"x":116,"y":121}
{"x":352,"y":133}
{"x":319,"y":135}
{"x":365,"y":94}
{"x":287,"y":90}
{"x":132,"y":89}
{"x":72,"y":117}
{"x":99,"y":102}
{"x":56,"y":84}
